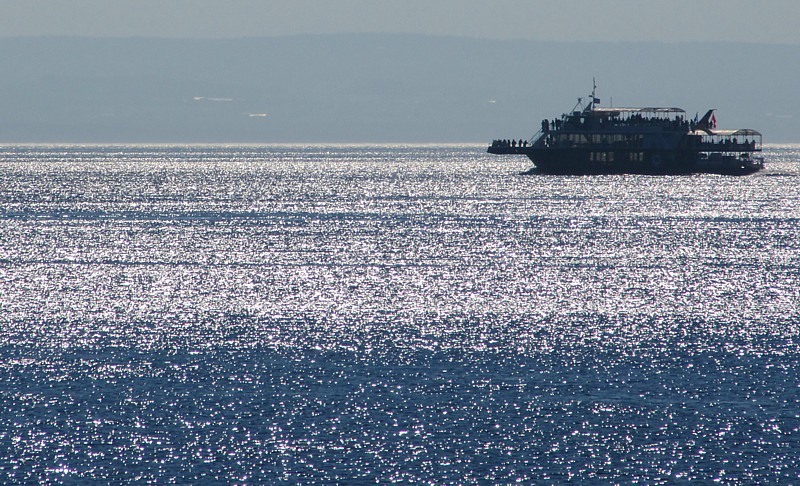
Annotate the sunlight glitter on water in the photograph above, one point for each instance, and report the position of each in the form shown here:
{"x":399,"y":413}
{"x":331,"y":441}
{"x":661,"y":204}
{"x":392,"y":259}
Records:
{"x":345,"y":313}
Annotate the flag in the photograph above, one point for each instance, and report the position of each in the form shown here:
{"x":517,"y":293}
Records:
{"x":713,"y":121}
{"x":596,"y":101}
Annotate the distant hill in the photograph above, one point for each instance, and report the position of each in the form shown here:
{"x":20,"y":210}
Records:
{"x":371,"y":87}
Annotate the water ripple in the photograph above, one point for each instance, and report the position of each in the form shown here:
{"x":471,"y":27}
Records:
{"x":340,"y":314}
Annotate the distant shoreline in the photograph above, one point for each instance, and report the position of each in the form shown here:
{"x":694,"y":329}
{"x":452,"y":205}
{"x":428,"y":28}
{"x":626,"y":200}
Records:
{"x":358,"y":87}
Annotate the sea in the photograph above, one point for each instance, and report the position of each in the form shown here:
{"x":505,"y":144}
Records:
{"x":419,"y":314}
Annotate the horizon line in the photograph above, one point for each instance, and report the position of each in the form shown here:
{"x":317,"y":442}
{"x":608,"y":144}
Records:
{"x":393,"y":34}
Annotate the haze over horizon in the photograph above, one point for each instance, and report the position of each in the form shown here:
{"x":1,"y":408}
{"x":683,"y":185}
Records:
{"x":746,"y":21}
{"x":338,"y":71}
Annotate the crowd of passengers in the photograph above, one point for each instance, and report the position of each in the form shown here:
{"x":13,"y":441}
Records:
{"x":731,"y":143}
{"x":725,"y":144}
{"x":634,"y":120}
{"x":509,"y":143}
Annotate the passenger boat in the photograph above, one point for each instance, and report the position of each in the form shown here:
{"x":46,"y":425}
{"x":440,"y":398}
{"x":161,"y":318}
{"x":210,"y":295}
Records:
{"x":598,"y":140}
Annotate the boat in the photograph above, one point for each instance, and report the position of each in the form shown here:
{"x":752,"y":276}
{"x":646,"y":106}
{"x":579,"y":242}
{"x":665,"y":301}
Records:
{"x":592,"y":139}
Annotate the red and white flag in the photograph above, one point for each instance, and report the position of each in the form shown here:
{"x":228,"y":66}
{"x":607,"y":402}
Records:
{"x":713,"y":121}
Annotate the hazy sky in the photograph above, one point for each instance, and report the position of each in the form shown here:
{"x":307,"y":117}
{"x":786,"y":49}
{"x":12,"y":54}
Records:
{"x":772,"y":21}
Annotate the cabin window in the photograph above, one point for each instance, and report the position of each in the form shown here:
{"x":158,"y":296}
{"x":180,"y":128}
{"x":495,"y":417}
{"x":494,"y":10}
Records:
{"x":602,"y":156}
{"x":636,"y":156}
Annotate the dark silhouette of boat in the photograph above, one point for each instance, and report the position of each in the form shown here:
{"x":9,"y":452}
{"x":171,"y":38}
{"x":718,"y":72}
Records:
{"x":598,"y":140}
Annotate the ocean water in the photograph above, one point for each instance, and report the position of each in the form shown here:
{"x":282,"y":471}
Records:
{"x":379,"y":314}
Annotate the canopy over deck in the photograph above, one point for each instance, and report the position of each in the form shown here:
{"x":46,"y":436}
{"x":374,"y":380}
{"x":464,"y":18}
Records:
{"x":741,"y":132}
{"x":647,"y":110}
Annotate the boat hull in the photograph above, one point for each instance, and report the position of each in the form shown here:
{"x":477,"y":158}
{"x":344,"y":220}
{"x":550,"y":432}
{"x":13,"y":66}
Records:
{"x":572,"y":161}
{"x":587,"y":161}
